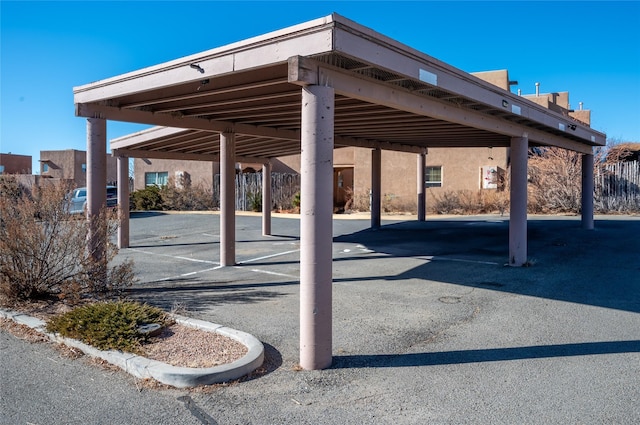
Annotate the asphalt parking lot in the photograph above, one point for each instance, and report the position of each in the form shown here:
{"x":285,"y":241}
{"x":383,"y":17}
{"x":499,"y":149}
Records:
{"x":429,"y":326}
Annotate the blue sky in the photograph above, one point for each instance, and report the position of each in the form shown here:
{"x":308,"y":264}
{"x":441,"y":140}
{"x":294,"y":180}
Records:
{"x":591,"y":49}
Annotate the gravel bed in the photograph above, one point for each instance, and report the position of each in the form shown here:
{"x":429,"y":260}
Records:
{"x":180,"y":345}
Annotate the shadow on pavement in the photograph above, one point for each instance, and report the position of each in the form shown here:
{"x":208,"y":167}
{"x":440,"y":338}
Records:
{"x":485,"y":355}
{"x":196,"y":297}
{"x":595,"y":267}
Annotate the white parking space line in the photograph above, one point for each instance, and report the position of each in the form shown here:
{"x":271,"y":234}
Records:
{"x":268,"y":256}
{"x":274,"y":273}
{"x":189,"y":274}
{"x":194,"y":260}
{"x":459,"y":260}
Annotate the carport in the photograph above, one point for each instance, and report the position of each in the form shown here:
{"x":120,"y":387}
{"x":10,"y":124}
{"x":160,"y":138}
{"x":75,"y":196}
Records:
{"x":308,"y":89}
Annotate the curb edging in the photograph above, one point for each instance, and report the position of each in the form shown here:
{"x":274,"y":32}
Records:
{"x":176,"y":376}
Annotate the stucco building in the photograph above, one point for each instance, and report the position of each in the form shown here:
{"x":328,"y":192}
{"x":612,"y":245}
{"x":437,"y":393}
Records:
{"x":15,"y":164}
{"x":71,"y":164}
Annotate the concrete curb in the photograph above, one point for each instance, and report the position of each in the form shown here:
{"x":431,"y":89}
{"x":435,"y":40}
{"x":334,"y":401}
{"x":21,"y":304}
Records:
{"x":141,"y":367}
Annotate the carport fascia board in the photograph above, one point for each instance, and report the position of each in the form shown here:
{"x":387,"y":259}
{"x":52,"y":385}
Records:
{"x":398,"y":58}
{"x":305,"y":71}
{"x":308,"y":38}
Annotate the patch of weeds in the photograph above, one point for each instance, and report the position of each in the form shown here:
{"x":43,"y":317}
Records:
{"x":109,"y":325}
{"x":22,"y":331}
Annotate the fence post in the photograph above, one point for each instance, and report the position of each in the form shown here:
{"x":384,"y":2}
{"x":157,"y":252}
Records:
{"x":587,"y":191}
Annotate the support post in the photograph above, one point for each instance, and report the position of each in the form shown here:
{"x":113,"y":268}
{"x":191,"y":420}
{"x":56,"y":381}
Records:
{"x":266,"y":199}
{"x":96,"y":185}
{"x":227,"y":199}
{"x":123,"y":202}
{"x":316,"y":234}
{"x":587,"y":191}
{"x":420,"y":181}
{"x":376,"y":187}
{"x":518,"y":210}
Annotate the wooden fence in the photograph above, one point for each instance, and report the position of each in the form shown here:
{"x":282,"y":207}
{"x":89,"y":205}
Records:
{"x":617,"y":187}
{"x":284,"y":187}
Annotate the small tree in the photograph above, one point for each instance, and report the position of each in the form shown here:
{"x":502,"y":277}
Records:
{"x":43,"y":248}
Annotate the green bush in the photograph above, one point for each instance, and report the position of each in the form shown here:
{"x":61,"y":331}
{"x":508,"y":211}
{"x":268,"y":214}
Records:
{"x":146,"y":199}
{"x":296,"y":201}
{"x":109,"y":325}
{"x":255,"y":201}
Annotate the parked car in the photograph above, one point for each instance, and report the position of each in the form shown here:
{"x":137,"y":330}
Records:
{"x":78,"y":199}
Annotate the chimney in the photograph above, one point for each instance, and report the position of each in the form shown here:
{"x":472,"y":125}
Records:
{"x":580,"y":103}
{"x":537,"y":89}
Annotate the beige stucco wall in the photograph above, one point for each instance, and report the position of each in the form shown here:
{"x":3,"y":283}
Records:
{"x":461,"y":170}
{"x":15,"y":164}
{"x":557,"y":101}
{"x":201,"y":172}
{"x":67,"y":165}
{"x":498,"y":78}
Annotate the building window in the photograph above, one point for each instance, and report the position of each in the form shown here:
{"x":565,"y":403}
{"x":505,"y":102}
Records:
{"x":156,"y":179}
{"x":433,"y":176}
{"x":1,"y":169}
{"x":45,"y":167}
{"x":84,"y":168}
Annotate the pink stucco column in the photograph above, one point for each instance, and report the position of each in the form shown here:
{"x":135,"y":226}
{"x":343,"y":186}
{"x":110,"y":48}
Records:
{"x":420,"y":181}
{"x":376,"y":187}
{"x":587,"y":191}
{"x":266,"y":199}
{"x":123,"y":202}
{"x":96,"y":183}
{"x":227,"y":199}
{"x":316,"y":234}
{"x":518,"y":209}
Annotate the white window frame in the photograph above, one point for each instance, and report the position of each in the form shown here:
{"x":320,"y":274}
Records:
{"x":427,"y":175}
{"x":157,"y":176}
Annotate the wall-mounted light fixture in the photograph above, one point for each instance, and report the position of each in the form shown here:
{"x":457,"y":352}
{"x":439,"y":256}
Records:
{"x":196,"y":66}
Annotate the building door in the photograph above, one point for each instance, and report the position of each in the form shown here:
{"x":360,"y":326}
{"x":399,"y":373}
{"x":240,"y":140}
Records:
{"x":342,"y":188}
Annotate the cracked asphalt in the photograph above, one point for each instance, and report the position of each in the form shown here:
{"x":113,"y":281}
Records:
{"x":429,"y":326}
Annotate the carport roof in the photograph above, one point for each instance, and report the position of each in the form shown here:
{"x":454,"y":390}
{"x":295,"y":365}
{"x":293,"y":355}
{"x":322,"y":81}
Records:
{"x":387,"y":95}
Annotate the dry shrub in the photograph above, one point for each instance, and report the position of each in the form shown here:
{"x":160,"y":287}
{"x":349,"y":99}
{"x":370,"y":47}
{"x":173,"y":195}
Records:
{"x":186,"y":197}
{"x":555,"y":181}
{"x":469,"y":202}
{"x":44,"y":252}
{"x":361,"y":201}
{"x":392,"y":203}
